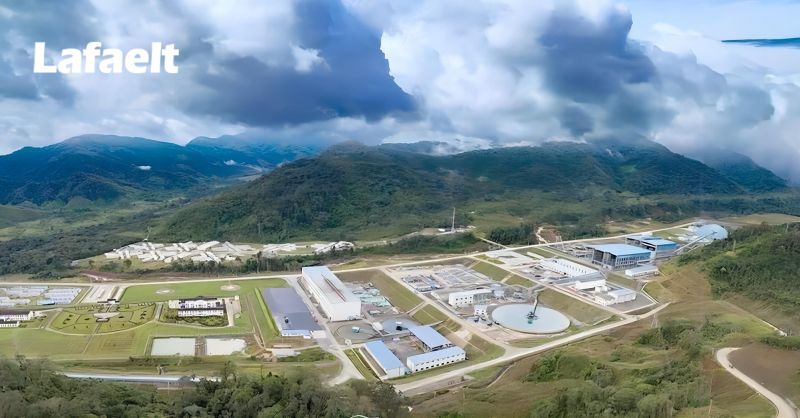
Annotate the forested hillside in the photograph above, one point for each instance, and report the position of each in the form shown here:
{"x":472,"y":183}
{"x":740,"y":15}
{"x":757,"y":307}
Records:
{"x":761,"y":262}
{"x":31,"y":388}
{"x":352,"y":190}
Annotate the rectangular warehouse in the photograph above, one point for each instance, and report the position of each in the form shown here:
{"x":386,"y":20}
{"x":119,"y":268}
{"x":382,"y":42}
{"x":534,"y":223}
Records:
{"x":337,"y":302}
{"x":430,"y":338}
{"x":468,"y":297}
{"x":290,"y":314}
{"x":388,"y":362}
{"x":659,"y":246}
{"x":619,"y":256}
{"x":614,"y":297}
{"x":566,"y":267}
{"x":642,"y":271}
{"x":433,"y":359}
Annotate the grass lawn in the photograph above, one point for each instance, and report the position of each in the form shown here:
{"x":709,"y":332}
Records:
{"x":519,"y":280}
{"x":178,"y":290}
{"x":572,"y":307}
{"x":494,"y":272}
{"x":398,"y":295}
{"x":82,"y":320}
{"x":360,"y":363}
{"x":429,"y":315}
{"x":537,"y":250}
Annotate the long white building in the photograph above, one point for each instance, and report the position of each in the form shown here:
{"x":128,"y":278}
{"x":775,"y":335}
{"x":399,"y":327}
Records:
{"x":566,"y":267}
{"x":337,"y":301}
{"x":433,"y":359}
{"x":468,"y":297}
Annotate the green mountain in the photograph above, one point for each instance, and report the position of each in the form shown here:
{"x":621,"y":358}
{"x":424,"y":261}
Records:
{"x":352,"y":190}
{"x":744,"y":171}
{"x":107,"y":167}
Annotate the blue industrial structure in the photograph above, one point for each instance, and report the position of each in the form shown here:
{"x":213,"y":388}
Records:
{"x":619,"y":256}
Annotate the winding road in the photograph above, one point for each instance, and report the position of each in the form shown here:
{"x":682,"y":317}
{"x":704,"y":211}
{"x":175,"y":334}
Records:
{"x":785,"y":409}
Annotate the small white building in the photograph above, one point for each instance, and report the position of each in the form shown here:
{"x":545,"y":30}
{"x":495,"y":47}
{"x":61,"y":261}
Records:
{"x":481,"y":311}
{"x":16,"y":315}
{"x":614,"y":297}
{"x":468,"y":297}
{"x":199,"y":306}
{"x":434,"y":359}
{"x":337,"y":301}
{"x":594,"y":281}
{"x":646,"y":270}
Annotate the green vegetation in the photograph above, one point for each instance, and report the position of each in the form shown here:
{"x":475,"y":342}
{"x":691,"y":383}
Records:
{"x":760,"y":262}
{"x":574,"y":308}
{"x":428,"y":315}
{"x":361,"y":364}
{"x":308,"y":355}
{"x":182,"y":290}
{"x":492,"y":271}
{"x":786,"y":343}
{"x":32,"y":388}
{"x":519,"y":281}
{"x":423,"y":244}
{"x":524,"y":234}
{"x":354,"y":191}
{"x":82,"y":319}
{"x":398,"y":295}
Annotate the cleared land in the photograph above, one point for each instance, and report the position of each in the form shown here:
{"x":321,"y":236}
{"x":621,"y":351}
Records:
{"x":494,"y":272}
{"x":756,"y":219}
{"x":519,"y":280}
{"x":777,"y":370}
{"x":572,"y":307}
{"x":398,"y":295}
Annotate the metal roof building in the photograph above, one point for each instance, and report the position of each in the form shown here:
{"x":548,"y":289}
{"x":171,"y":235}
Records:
{"x":618,"y":256}
{"x":642,"y":271}
{"x":433,"y":359}
{"x":336,"y":300}
{"x":659,"y":246}
{"x":430,"y":338}
{"x":292,"y":316}
{"x":711,"y":232}
{"x":391,"y":365}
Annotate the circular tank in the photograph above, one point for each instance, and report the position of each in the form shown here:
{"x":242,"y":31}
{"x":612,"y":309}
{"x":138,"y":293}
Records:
{"x":520,"y":317}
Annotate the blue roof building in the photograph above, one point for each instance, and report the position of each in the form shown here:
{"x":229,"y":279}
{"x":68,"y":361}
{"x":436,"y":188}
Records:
{"x":430,"y":338}
{"x":659,"y":246}
{"x":619,"y":256}
{"x":386,"y":360}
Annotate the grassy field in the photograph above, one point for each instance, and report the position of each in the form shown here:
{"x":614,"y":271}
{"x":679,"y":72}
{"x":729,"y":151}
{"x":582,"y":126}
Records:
{"x":494,"y":272}
{"x":398,"y":295}
{"x":519,"y":280}
{"x":755,"y":219}
{"x":82,"y":320}
{"x":429,"y":315}
{"x":537,"y":250}
{"x":10,"y":215}
{"x":360,"y":363}
{"x":572,"y":307}
{"x":178,"y":290}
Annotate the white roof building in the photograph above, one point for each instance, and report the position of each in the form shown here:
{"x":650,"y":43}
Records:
{"x":337,"y":301}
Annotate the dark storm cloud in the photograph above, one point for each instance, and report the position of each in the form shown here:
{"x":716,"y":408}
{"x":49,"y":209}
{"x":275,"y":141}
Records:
{"x":60,"y":25}
{"x":351,"y":80}
{"x":576,"y":120}
{"x":589,"y":61}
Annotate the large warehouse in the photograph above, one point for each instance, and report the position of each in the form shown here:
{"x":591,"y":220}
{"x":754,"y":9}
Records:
{"x":659,"y":246}
{"x":619,"y":256}
{"x":291,"y":315}
{"x":337,"y":302}
{"x":386,"y":360}
{"x":430,"y":339}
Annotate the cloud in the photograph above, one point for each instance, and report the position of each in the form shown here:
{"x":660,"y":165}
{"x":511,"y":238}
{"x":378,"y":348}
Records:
{"x":484,"y":72}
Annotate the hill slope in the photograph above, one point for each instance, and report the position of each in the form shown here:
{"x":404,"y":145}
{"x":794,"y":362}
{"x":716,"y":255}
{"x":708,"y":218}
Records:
{"x":352,"y":188}
{"x":106,"y":167}
{"x":745,"y":171}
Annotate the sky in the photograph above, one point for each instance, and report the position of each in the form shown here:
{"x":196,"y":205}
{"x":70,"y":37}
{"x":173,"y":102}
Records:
{"x":476,"y":74}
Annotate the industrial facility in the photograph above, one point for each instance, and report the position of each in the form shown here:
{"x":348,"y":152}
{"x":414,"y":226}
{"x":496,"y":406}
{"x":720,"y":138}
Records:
{"x":660,"y":247}
{"x":199,"y":306}
{"x":619,"y":256}
{"x":646,"y":270}
{"x":386,"y":360}
{"x":337,"y":302}
{"x":291,"y":315}
{"x":12,"y":319}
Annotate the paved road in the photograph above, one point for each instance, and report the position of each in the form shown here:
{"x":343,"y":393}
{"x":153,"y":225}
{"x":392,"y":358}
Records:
{"x":785,"y":409}
{"x":421,"y":385}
